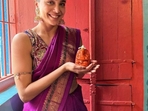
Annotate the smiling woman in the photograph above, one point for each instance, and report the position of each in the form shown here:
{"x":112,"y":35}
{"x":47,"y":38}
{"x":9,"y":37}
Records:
{"x":43,"y":62}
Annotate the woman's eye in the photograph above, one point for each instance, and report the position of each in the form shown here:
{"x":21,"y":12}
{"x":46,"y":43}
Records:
{"x":50,"y":2}
{"x":62,"y":4}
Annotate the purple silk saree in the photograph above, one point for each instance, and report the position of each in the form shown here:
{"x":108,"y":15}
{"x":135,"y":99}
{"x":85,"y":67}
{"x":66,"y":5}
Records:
{"x":62,"y":49}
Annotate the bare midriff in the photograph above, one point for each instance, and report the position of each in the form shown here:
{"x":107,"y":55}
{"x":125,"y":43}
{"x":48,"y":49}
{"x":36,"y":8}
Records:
{"x":73,"y":86}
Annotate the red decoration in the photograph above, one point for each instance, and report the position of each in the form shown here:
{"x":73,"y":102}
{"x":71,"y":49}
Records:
{"x":82,"y":56}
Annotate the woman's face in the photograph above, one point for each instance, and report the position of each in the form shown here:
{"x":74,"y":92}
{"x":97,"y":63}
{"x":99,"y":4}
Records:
{"x":51,"y":11}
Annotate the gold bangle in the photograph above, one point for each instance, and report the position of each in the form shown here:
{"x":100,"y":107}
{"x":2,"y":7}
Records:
{"x":21,"y":73}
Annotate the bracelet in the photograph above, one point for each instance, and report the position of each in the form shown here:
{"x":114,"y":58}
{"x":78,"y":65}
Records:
{"x":21,"y":73}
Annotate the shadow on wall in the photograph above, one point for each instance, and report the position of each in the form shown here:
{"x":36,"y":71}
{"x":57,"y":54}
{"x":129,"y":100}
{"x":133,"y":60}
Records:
{"x":13,"y":104}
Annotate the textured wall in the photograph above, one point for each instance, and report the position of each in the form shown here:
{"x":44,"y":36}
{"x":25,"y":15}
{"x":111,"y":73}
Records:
{"x":25,"y":13}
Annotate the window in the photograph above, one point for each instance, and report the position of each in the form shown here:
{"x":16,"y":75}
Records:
{"x":7,"y":31}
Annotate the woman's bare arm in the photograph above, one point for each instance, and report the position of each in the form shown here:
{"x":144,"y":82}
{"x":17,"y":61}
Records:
{"x":22,"y":62}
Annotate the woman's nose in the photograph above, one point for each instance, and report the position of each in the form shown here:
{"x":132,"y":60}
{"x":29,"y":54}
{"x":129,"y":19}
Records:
{"x":57,"y":9}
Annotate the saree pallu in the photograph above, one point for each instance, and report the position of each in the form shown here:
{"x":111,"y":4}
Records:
{"x":62,"y":48}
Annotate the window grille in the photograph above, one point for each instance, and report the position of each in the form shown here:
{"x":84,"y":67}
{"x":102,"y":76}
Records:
{"x":7,"y":31}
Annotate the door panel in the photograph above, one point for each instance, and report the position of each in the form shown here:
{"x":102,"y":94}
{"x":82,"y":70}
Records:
{"x":113,"y":29}
{"x":114,"y":98}
{"x":114,"y":39}
{"x":115,"y":71}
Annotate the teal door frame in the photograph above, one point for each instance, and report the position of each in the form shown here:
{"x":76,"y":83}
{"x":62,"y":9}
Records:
{"x":145,"y":24}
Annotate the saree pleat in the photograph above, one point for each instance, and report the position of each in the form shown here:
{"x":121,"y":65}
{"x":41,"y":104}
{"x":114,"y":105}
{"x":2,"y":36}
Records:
{"x":75,"y":101}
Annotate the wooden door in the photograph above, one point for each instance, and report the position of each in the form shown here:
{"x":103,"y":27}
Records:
{"x":112,"y":31}
{"x":115,"y":55}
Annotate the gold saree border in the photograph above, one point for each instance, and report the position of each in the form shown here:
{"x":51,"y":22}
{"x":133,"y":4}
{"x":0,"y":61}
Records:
{"x":57,"y":89}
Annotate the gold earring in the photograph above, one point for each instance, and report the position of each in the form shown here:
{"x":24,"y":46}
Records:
{"x":37,"y":17}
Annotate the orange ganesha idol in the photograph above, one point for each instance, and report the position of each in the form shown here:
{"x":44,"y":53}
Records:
{"x":82,"y":56}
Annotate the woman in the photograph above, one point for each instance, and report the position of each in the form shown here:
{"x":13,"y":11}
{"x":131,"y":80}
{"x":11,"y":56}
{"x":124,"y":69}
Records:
{"x":43,"y":62}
